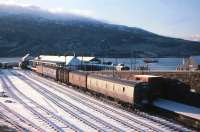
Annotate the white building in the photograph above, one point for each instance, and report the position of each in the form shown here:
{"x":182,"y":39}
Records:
{"x":69,"y":61}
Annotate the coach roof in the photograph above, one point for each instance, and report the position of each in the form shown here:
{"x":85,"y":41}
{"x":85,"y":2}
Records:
{"x":115,"y":80}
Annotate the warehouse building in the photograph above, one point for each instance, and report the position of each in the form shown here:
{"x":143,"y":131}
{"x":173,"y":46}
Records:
{"x":70,"y":62}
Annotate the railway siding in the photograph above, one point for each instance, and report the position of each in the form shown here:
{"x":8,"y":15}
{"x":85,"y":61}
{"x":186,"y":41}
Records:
{"x":65,"y":106}
{"x":110,"y":112}
{"x":51,"y":122}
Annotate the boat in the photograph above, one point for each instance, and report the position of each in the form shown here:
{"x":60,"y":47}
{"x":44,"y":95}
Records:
{"x":150,"y":60}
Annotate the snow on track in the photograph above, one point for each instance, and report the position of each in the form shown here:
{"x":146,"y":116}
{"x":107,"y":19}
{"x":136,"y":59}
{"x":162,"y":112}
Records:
{"x":81,"y":110}
{"x":82,"y":114}
{"x":97,"y":111}
{"x":16,"y":119}
{"x":47,"y":119}
{"x":140,"y":119}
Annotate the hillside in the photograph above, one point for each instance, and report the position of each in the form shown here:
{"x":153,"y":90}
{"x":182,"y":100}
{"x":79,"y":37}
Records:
{"x":35,"y":31}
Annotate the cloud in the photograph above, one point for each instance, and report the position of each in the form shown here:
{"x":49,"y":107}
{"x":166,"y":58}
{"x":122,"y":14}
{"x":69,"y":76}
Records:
{"x":14,"y":2}
{"x":195,"y":37}
{"x":57,"y":10}
{"x":82,"y":12}
{"x":10,"y":2}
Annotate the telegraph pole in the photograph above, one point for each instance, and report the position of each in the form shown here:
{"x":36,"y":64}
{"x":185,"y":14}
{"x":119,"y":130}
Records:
{"x":134,"y":54}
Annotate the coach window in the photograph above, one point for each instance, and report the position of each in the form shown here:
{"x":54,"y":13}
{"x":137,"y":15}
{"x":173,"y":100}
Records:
{"x":123,"y":89}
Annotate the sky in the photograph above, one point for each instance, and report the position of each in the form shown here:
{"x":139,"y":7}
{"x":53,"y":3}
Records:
{"x":174,"y":18}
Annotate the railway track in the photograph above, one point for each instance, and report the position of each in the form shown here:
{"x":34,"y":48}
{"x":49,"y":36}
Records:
{"x":14,"y":124}
{"x":128,"y":123}
{"x":131,"y":120}
{"x":25,"y":124}
{"x":77,"y":112}
{"x":52,"y":121}
{"x":73,"y":94}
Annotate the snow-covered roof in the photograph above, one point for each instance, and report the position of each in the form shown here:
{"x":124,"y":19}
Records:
{"x":26,"y":57}
{"x":145,"y":76}
{"x":10,"y":60}
{"x":85,"y":58}
{"x":70,"y":60}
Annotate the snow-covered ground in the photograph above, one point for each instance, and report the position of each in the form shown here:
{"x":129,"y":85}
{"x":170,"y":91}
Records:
{"x":183,"y":109}
{"x":51,"y":106}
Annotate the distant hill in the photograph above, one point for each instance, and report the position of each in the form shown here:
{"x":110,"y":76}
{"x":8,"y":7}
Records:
{"x":35,"y":31}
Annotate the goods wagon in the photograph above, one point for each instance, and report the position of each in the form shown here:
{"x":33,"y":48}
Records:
{"x":63,"y":75}
{"x":49,"y":72}
{"x":132,"y":92}
{"x":39,"y":69}
{"x":78,"y":79}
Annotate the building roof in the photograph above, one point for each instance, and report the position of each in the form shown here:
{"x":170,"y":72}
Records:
{"x":86,"y":58}
{"x":10,"y":60}
{"x":47,"y":62}
{"x":69,"y":60}
{"x":149,"y":76}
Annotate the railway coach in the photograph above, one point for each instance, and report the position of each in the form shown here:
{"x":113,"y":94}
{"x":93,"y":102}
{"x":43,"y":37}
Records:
{"x":125,"y":92}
